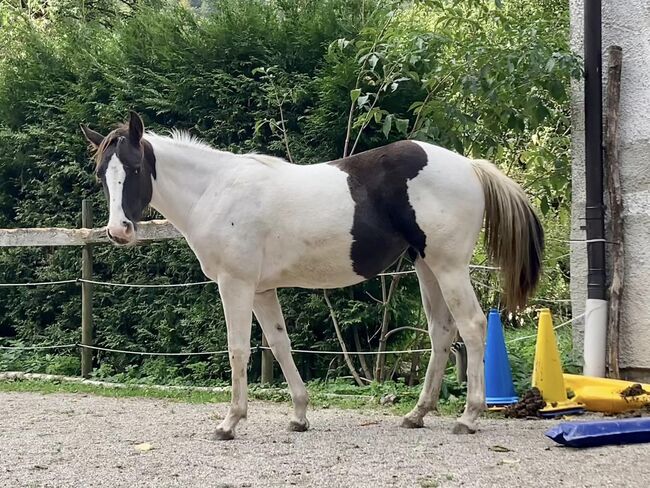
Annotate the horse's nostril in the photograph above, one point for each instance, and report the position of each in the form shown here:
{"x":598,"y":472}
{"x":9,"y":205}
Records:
{"x":127,"y":225}
{"x":117,"y":239}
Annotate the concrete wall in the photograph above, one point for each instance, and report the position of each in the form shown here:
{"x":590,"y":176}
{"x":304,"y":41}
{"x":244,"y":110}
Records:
{"x":627,"y":24}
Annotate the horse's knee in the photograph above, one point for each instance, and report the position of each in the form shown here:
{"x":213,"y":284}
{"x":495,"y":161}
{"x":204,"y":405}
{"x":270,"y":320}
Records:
{"x":474,"y":332}
{"x":239,"y":356}
{"x":441,"y":349}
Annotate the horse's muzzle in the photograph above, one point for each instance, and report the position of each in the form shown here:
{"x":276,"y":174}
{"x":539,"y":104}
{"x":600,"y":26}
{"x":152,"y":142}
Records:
{"x":122,"y":236}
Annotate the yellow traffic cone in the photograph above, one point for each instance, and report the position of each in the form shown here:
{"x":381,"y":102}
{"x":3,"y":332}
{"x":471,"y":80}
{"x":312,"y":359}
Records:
{"x":547,"y":371}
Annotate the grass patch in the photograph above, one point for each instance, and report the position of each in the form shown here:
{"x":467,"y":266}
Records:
{"x":128,"y":391}
{"x":319,"y":398}
{"x":335,"y":394}
{"x":330,"y":396}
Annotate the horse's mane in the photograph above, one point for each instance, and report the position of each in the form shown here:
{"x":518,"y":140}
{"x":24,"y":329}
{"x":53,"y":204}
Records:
{"x":185,"y":138}
{"x":181,"y":137}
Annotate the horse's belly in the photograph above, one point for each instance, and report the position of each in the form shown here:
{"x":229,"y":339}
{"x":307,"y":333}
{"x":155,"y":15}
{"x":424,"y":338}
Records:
{"x":314,"y":275}
{"x":310,"y":263}
{"x":326,"y":262}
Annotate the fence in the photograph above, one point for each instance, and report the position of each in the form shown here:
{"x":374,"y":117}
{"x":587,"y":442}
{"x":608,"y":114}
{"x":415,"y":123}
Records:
{"x":87,"y":237}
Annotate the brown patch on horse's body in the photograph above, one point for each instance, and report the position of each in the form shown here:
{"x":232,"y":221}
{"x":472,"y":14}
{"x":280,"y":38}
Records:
{"x":384,"y":224}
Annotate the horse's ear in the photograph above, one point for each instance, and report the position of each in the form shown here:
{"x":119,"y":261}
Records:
{"x":95,"y":138}
{"x":136,"y":128}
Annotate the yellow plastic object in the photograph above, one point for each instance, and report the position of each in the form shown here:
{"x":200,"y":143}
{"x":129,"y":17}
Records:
{"x":547,"y":370}
{"x":604,"y":394}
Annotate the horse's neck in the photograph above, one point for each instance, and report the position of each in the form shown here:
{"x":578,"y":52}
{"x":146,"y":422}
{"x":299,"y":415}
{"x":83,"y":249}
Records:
{"x":183,"y":173}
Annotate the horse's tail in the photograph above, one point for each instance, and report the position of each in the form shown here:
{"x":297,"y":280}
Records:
{"x":513,"y":233}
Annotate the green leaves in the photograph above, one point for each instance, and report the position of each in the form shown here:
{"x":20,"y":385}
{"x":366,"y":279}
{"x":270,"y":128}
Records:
{"x":557,"y":90}
{"x":486,"y":78}
{"x":388,"y":121}
{"x":363,"y":100}
{"x":402,"y":125}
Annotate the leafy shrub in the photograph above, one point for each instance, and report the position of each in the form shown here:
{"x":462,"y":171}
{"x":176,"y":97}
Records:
{"x":484,"y":79}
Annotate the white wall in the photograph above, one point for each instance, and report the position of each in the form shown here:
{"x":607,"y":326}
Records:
{"x":625,"y":23}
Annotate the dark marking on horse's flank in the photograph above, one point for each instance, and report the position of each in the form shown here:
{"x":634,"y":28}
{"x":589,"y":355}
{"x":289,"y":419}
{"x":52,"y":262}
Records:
{"x":384,"y":223}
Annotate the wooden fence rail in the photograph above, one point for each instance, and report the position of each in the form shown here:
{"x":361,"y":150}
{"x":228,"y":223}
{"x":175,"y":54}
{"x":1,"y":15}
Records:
{"x":154,"y":230}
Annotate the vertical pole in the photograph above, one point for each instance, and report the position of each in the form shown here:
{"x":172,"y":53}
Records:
{"x":613,"y":164}
{"x":595,"y":339}
{"x":87,"y":329}
{"x":595,"y":208}
{"x":267,"y":362}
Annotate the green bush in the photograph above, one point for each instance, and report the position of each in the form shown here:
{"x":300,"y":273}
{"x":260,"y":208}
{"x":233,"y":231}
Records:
{"x":483,"y":79}
{"x":64,"y":365}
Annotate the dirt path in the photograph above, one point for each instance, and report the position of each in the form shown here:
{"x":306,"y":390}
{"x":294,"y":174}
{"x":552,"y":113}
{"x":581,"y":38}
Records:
{"x":67,"y":440}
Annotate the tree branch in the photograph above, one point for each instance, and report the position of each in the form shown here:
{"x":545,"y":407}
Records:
{"x":428,"y":97}
{"x":362,"y":358}
{"x":285,"y":137}
{"x":348,"y":133}
{"x":381,"y":358}
{"x":344,"y":349}
{"x":406,"y":327}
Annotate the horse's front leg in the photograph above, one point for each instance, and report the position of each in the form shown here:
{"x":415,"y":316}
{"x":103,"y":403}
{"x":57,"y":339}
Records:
{"x":237,"y":298}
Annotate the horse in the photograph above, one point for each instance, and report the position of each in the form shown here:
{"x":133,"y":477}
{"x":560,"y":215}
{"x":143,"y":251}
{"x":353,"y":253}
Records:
{"x":257,"y":223}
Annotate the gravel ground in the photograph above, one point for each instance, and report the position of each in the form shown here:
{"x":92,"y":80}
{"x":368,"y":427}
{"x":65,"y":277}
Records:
{"x":63,"y":440}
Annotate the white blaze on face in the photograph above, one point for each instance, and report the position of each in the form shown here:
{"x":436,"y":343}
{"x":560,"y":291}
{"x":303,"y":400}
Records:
{"x":115,"y":177}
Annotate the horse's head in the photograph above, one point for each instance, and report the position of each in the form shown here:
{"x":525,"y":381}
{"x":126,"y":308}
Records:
{"x":125,"y":164}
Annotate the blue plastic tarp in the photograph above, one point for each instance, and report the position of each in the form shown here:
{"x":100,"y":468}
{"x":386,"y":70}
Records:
{"x":601,"y":432}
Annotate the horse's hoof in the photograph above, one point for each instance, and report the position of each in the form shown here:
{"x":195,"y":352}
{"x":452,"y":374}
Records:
{"x":298,"y":426}
{"x":409,"y":423}
{"x":460,"y":428}
{"x":224,"y":435}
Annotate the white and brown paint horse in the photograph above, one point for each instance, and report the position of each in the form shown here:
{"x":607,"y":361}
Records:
{"x":257,"y":223}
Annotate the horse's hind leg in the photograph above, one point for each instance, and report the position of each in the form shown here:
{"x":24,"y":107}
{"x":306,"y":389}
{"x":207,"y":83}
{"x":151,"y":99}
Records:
{"x":441,"y":330}
{"x":269,"y":314}
{"x":464,"y":307}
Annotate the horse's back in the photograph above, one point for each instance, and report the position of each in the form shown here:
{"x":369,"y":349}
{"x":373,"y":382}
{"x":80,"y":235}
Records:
{"x":418,"y":191}
{"x":335,"y":223}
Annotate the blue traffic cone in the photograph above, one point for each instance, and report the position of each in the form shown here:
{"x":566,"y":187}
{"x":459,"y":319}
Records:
{"x":499,"y":388}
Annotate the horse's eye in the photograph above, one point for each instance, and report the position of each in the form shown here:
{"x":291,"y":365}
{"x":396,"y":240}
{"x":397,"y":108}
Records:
{"x":136,"y":171}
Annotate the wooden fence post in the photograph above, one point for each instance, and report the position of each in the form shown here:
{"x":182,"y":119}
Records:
{"x":87,"y":329}
{"x":613,"y":168}
{"x":267,"y":363}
